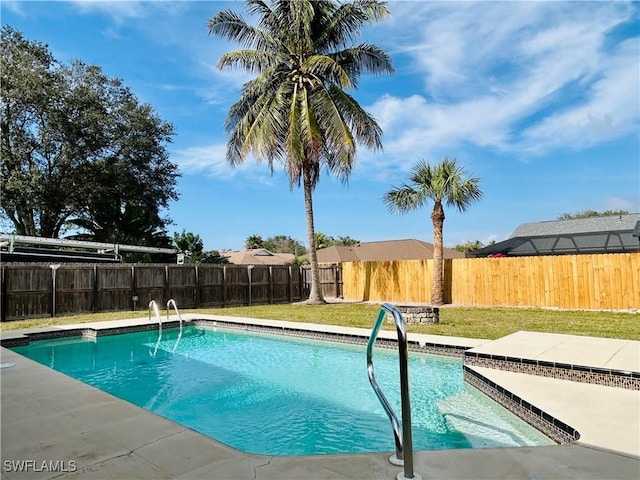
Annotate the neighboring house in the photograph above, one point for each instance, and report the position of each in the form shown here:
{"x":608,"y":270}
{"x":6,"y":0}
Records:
{"x":258,"y":256}
{"x":408,"y":249}
{"x":613,"y":234}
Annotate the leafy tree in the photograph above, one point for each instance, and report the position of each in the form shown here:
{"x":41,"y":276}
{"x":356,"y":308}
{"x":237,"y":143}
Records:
{"x":78,"y":149}
{"x":254,"y":241}
{"x":322,"y":240}
{"x":214,"y":257}
{"x":591,"y":213}
{"x":469,"y":246}
{"x":284,"y":244}
{"x":296,"y":110}
{"x":298,"y":261}
{"x":347,"y":241}
{"x":446,"y":182}
{"x":134,"y":225}
{"x":189,"y":244}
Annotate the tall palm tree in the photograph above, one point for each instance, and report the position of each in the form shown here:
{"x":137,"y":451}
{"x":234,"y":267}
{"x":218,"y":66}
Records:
{"x":296,"y":110}
{"x":446,"y":182}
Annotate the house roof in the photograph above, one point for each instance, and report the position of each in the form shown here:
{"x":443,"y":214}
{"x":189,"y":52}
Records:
{"x":615,"y":223}
{"x":258,"y":256}
{"x":406,"y":249}
{"x":612,"y":234}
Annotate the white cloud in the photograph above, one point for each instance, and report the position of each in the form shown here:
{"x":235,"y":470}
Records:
{"x":210,"y":160}
{"x":517,"y":77}
{"x":118,"y":10}
{"x":611,"y":109}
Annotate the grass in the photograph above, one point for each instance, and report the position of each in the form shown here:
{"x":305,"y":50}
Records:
{"x":469,"y":322}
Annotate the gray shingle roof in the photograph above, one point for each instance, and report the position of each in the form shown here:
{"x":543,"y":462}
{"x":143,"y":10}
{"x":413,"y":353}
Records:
{"x":612,"y":234}
{"x":577,"y":225}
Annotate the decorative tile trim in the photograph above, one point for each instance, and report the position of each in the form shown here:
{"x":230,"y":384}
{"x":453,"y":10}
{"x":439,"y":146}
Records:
{"x":85,"y":332}
{"x":555,"y":429}
{"x":435,"y":348}
{"x":562,"y":371}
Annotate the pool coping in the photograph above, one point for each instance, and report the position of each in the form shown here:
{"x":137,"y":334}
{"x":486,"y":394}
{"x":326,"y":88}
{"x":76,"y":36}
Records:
{"x":428,"y":343}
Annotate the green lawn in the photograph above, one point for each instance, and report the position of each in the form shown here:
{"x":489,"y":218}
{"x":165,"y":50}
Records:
{"x":489,"y":323}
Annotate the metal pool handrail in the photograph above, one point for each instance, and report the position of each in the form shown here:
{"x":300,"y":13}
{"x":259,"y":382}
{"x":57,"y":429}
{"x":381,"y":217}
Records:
{"x":153,"y":306}
{"x":402,"y":437}
{"x":175,"y":307}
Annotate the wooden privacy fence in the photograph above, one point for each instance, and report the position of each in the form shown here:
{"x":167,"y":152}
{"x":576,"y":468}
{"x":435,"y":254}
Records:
{"x":598,"y":281}
{"x":34,"y":291}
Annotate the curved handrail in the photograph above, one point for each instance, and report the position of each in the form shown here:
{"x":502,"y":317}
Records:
{"x":402,"y":437}
{"x":154,"y":306}
{"x":175,"y":307}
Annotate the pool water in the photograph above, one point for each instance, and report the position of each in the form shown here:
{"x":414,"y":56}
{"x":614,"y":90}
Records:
{"x":275,"y":395}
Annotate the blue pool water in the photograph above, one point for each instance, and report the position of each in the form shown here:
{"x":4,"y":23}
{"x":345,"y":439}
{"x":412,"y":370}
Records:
{"x":276,"y":395}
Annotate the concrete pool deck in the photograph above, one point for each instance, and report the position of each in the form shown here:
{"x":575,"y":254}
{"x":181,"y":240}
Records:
{"x":81,"y":432}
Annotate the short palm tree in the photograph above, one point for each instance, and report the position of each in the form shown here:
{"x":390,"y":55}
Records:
{"x":296,"y":111}
{"x":446,"y":182}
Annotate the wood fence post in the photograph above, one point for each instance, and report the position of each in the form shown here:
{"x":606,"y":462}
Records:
{"x":167,"y":287}
{"x":197,"y":287}
{"x":54,"y":268}
{"x":3,"y":295}
{"x":224,"y":287}
{"x":94,"y":297}
{"x":134,"y":295}
{"x":270,"y":284}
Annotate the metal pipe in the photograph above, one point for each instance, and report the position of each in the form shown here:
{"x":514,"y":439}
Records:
{"x":61,"y":242}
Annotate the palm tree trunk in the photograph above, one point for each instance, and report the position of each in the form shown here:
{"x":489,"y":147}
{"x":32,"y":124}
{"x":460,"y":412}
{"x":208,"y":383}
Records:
{"x":437,"y":283}
{"x":315,"y":294}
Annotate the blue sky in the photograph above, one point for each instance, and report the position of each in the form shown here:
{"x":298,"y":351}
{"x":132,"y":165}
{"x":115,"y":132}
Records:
{"x":540,"y":100}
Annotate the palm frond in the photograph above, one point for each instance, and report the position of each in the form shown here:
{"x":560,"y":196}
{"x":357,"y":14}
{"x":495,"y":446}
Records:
{"x":230,"y":25}
{"x":345,"y":23}
{"x":364,"y":58}
{"x":251,"y":61}
{"x":339,"y":144}
{"x":365,"y":128}
{"x":326,"y":69}
{"x":403,"y":199}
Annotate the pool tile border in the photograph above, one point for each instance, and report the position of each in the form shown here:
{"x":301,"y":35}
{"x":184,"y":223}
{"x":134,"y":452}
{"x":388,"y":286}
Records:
{"x":412,"y":345}
{"x":86,"y":332}
{"x":555,"y":429}
{"x":563,"y":371}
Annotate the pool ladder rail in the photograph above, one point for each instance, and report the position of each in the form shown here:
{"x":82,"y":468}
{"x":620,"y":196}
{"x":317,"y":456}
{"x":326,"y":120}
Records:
{"x":175,"y":308}
{"x":402,"y":436}
{"x":153,"y":307}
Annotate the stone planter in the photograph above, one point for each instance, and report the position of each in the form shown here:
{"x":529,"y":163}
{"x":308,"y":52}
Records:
{"x":419,"y":313}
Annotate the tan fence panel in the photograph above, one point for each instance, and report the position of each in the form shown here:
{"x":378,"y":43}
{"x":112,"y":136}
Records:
{"x":392,"y":281}
{"x":598,"y":281}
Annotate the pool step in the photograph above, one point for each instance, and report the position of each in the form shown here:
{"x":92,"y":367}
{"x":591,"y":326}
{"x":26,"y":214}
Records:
{"x":564,"y":371}
{"x":608,"y":362}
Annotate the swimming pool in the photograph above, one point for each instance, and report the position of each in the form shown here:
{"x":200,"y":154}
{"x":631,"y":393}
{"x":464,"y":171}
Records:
{"x":276,"y":395}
